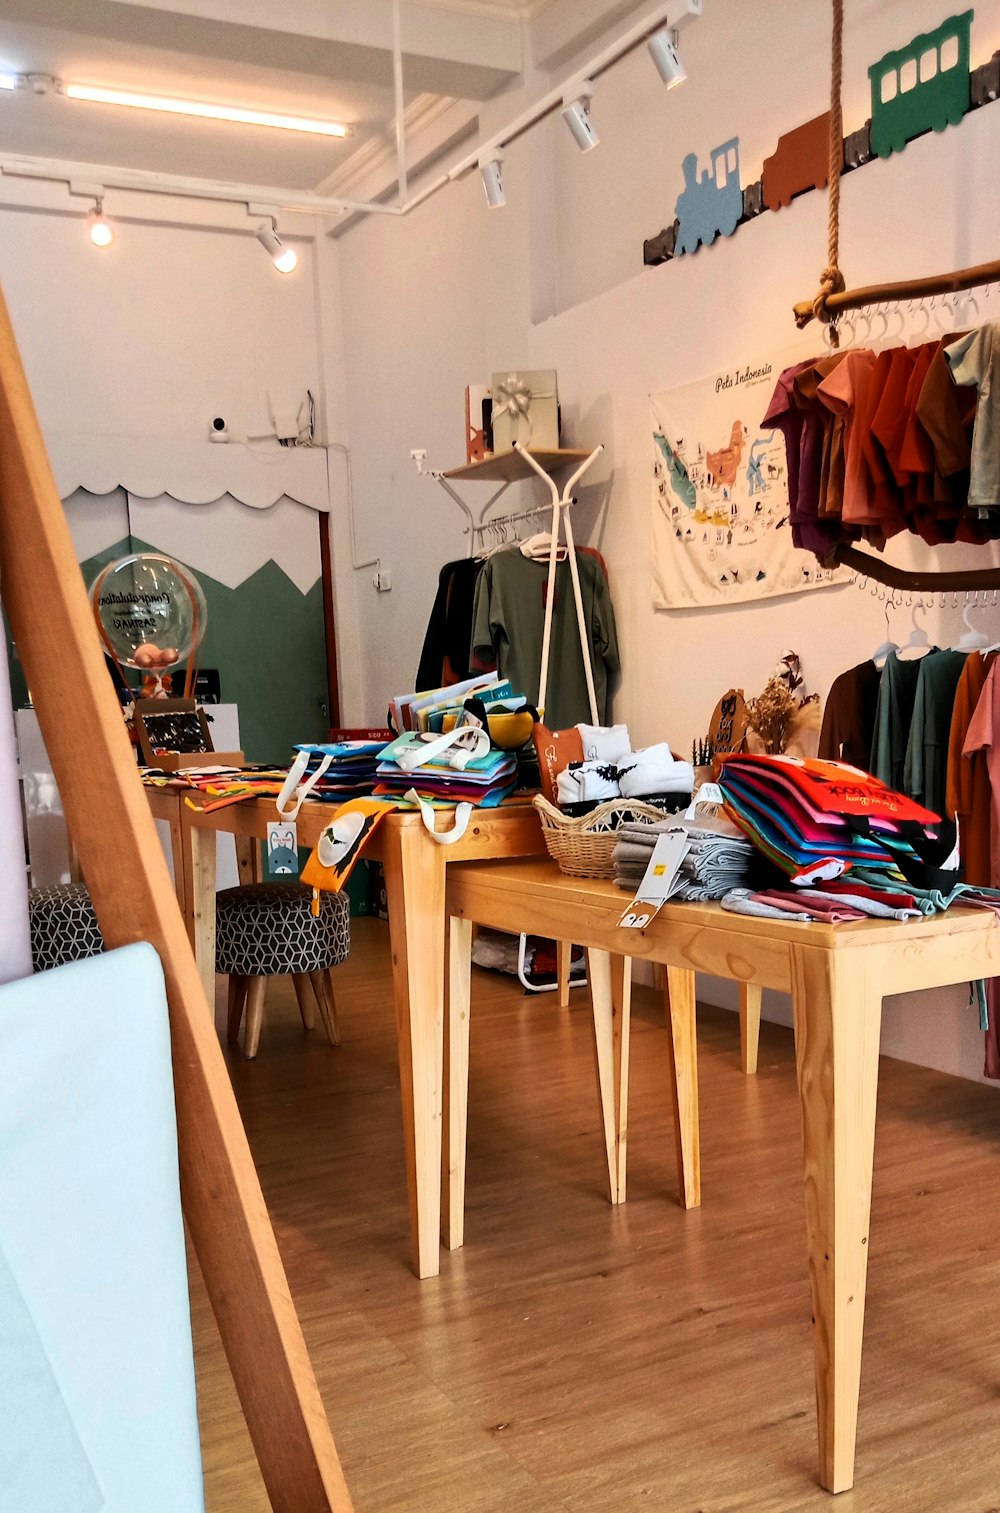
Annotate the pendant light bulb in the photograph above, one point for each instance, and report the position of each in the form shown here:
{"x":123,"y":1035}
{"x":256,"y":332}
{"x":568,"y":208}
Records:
{"x":99,"y":228}
{"x":663,"y":51}
{"x":284,"y":258}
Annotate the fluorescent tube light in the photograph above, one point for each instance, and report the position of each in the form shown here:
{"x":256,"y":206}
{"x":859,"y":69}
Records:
{"x":207,"y":112}
{"x":8,"y":81}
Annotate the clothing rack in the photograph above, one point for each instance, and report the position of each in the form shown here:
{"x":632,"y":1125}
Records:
{"x":833,"y":298}
{"x":501,"y":522}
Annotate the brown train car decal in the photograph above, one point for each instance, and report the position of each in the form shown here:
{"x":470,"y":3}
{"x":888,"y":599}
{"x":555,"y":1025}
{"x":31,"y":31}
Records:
{"x":800,"y":161}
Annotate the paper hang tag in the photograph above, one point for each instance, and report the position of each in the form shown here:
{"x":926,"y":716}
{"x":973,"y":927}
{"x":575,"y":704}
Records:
{"x":282,"y":849}
{"x":660,"y":882}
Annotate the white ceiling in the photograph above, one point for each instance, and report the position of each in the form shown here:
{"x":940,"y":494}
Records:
{"x":329,"y":59}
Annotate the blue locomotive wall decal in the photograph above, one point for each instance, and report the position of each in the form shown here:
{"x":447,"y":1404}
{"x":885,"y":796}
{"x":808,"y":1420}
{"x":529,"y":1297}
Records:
{"x":711,"y":205}
{"x":925,"y":86}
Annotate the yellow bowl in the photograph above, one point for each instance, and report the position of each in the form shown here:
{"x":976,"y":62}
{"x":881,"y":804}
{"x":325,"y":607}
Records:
{"x":509,"y":728}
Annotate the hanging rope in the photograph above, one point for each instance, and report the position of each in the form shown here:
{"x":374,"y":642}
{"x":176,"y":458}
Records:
{"x":831,"y":280}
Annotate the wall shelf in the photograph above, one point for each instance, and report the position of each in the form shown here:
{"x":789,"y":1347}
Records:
{"x":511,"y":467}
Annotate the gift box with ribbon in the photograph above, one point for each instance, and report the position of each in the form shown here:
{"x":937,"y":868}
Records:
{"x":525,"y":409}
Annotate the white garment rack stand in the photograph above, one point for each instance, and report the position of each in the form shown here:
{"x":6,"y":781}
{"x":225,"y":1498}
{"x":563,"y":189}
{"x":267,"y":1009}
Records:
{"x":507,"y":471}
{"x":543,"y":464}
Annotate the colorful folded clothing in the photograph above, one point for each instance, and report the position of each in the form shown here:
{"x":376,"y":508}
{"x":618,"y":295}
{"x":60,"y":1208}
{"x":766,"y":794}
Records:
{"x":817,"y":819}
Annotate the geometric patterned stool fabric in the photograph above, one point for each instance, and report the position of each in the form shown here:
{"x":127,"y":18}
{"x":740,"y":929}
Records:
{"x":63,"y":926}
{"x":269,"y":930}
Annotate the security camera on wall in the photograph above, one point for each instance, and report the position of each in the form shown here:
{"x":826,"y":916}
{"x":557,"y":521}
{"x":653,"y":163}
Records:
{"x":218,"y":430}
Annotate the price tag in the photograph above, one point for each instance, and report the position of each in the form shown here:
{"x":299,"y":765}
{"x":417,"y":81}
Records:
{"x":282,"y":855}
{"x":659,"y":882}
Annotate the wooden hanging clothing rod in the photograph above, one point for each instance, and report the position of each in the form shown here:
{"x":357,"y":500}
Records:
{"x":934,"y":583}
{"x":914,"y":288}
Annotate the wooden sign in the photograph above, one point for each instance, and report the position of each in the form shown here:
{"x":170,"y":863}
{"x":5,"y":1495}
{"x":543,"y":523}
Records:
{"x":728,"y":729}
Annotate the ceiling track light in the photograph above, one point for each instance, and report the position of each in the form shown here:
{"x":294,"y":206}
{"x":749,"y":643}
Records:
{"x":99,"y":228}
{"x":491,"y":168}
{"x":663,"y":49}
{"x":576,"y":114}
{"x":284,"y":258}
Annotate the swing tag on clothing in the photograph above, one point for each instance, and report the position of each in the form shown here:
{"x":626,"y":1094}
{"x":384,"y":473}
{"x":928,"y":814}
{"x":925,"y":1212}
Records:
{"x":282,"y":854}
{"x":660,"y":882}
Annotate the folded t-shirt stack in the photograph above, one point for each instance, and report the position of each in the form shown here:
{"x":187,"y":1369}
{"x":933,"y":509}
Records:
{"x":716,"y":863}
{"x":651,"y":774}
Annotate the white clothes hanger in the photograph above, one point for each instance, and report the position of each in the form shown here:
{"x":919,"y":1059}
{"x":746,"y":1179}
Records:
{"x":538,"y":547}
{"x":918,"y":641}
{"x":881,"y":653}
{"x":971,"y":639}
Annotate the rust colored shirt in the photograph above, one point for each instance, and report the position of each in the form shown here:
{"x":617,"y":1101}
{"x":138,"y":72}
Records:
{"x":968,"y":789}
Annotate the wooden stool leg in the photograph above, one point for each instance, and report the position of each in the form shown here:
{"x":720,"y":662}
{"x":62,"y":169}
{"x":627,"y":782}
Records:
{"x":257,"y":987}
{"x":684,"y":1081}
{"x":307,"y":1003}
{"x":599,"y":976}
{"x":621,"y":1008}
{"x":564,"y":957}
{"x":324,"y":997}
{"x":750,"y":995}
{"x":456,"y":1082}
{"x":237,"y":1003}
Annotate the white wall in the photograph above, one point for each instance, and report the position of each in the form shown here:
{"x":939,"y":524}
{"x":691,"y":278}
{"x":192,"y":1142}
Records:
{"x":181,"y":319}
{"x":455,"y":291}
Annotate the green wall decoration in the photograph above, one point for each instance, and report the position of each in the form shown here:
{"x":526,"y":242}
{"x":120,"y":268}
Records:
{"x":267,"y":639}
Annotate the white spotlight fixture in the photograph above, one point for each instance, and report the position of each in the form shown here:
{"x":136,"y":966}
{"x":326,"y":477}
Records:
{"x":99,"y":228}
{"x":284,"y":258}
{"x":203,"y":109}
{"x":663,"y":51}
{"x":576,"y":114}
{"x":491,"y":168}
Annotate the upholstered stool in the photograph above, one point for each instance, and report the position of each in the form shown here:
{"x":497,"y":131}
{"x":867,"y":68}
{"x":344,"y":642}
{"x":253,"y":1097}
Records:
{"x":63,"y":926}
{"x":269,"y":930}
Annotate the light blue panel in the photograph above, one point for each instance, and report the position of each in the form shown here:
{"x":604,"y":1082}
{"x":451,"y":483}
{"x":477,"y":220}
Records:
{"x":90,"y":1225}
{"x":43,"y":1465}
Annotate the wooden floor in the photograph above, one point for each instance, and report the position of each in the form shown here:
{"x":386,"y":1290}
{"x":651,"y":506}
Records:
{"x":579,"y":1357}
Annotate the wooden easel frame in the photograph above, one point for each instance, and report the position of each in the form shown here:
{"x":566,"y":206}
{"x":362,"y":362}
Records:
{"x":113,"y":831}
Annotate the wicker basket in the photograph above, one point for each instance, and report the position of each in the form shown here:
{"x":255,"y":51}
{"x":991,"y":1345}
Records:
{"x":583,"y":847}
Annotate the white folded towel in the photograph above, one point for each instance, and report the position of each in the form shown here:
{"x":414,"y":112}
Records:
{"x":605,"y":743}
{"x":647,"y":773}
{"x":587,"y":783}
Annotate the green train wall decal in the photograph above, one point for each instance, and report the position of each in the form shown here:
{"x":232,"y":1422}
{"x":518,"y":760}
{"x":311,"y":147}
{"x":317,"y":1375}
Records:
{"x":925,"y":86}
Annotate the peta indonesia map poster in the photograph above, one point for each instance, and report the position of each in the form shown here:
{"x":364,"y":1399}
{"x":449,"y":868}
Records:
{"x":721,"y":533}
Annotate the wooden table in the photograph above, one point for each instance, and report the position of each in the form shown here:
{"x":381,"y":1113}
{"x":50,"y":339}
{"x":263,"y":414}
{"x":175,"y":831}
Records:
{"x":837,"y":976}
{"x":415,"y":867}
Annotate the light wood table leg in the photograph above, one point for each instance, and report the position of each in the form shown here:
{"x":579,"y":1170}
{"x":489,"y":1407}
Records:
{"x":306,"y":999}
{"x":456,"y":1081}
{"x":750,"y":996}
{"x":201,"y":883}
{"x":248,"y":859}
{"x":415,"y":888}
{"x":837,"y":1002}
{"x":681,"y":1022}
{"x":599,"y":977}
{"x":564,"y":958}
{"x":256,"y":989}
{"x":621,"y":1009}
